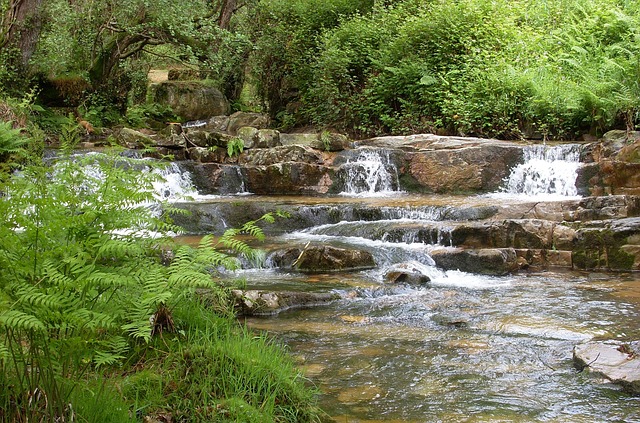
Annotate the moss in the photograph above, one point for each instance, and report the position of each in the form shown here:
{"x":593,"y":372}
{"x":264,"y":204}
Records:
{"x":619,"y":259}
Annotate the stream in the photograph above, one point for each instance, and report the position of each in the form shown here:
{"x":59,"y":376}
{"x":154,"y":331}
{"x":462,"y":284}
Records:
{"x":465,"y":347}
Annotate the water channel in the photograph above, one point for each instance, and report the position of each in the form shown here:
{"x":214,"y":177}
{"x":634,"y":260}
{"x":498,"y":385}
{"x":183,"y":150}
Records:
{"x":465,"y":348}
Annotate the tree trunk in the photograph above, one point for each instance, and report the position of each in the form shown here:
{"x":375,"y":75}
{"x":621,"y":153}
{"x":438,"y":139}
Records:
{"x":226,"y":12}
{"x":21,"y":26}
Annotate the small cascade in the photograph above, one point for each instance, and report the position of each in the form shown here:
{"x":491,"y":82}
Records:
{"x":371,"y":172}
{"x":194,"y":124}
{"x":175,"y":184}
{"x":548,"y":172}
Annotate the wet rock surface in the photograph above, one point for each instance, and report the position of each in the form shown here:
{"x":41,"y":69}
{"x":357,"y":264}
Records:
{"x":255,"y":302}
{"x":322,"y":259}
{"x":618,"y":362}
{"x":488,"y":261}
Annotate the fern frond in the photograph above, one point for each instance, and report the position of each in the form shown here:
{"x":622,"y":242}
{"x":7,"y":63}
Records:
{"x":111,"y":352}
{"x":33,"y":296}
{"x":254,"y":230}
{"x":17,"y":320}
{"x":4,"y":353}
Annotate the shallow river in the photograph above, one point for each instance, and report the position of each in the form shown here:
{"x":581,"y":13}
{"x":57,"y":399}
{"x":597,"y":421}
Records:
{"x":466,"y":348}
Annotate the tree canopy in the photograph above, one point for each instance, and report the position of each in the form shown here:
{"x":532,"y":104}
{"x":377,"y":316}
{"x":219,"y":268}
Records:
{"x":509,"y":69}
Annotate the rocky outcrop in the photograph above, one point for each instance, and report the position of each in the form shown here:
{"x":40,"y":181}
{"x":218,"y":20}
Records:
{"x":133,"y":139}
{"x":243,"y":119}
{"x":190,"y":100}
{"x":620,"y":363}
{"x":280,"y":154}
{"x":322,"y":259}
{"x":610,"y":245}
{"x":616,"y":165}
{"x":289,"y":178}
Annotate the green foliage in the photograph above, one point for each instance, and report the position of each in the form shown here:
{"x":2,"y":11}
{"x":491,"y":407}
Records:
{"x":287,"y":34}
{"x":89,"y":270}
{"x":235,"y":146}
{"x":473,"y":67}
{"x":11,"y":140}
{"x":149,"y":114}
{"x":220,"y":373}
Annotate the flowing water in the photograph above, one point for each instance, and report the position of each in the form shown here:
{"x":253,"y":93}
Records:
{"x":465,"y":348}
{"x":547,"y":173}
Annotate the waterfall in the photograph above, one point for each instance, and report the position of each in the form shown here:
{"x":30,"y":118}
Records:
{"x":370,"y":173}
{"x":548,"y":172}
{"x":175,"y":184}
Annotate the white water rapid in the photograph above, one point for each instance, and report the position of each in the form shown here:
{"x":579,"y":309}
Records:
{"x":370,"y":173}
{"x":548,"y":173}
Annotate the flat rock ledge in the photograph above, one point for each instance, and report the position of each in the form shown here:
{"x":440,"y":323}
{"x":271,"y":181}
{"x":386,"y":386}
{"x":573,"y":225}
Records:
{"x":255,"y":302}
{"x":618,"y":362}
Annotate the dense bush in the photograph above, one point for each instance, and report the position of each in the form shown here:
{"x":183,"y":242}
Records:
{"x":473,"y":67}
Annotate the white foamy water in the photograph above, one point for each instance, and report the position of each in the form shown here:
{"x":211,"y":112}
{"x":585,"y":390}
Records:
{"x":370,"y":174}
{"x":548,"y":173}
{"x":175,"y":184}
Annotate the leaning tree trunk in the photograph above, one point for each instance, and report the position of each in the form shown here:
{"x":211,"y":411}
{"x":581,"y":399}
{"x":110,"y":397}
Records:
{"x":21,"y":26}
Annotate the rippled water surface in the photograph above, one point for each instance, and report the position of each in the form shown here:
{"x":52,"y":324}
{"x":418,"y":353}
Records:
{"x":468,"y":348}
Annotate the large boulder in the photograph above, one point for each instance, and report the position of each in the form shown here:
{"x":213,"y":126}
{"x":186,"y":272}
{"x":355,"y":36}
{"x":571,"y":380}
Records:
{"x":620,"y":363}
{"x":516,"y":233}
{"x":133,"y":139}
{"x":322,"y":259}
{"x":190,"y":100}
{"x":616,"y":165}
{"x":480,"y":168}
{"x":280,"y":154}
{"x":241,"y":119}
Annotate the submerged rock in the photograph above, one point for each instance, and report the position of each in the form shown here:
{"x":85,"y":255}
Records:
{"x":408,"y":273}
{"x":254,"y":302}
{"x":617,"y":362}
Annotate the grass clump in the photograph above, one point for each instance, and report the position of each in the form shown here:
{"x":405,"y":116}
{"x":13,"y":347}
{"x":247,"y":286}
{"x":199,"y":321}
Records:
{"x":218,"y":371}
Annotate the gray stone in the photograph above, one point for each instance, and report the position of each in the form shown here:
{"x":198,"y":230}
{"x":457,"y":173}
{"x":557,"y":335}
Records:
{"x":407,"y":273}
{"x":608,"y":245}
{"x":281,"y":154}
{"x":241,"y":119}
{"x":248,"y":135}
{"x":491,"y":261}
{"x":131,"y":138}
{"x":323,"y":259}
{"x":267,"y":138}
{"x":615,"y":361}
{"x":254,"y":302}
{"x":329,"y":141}
{"x":218,"y":123}
{"x":298,"y":139}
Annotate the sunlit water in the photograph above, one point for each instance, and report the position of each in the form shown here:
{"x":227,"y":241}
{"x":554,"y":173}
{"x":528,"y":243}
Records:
{"x":468,"y":348}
